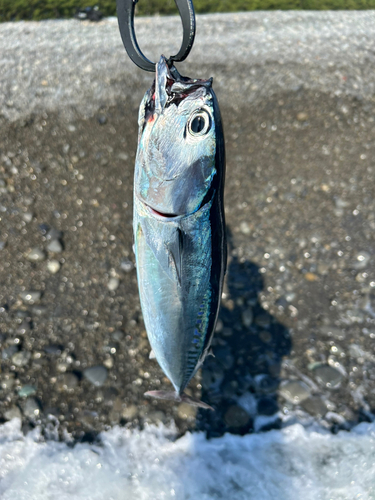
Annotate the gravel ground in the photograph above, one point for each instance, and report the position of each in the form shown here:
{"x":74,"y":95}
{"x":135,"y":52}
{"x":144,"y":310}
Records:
{"x":297,"y":325}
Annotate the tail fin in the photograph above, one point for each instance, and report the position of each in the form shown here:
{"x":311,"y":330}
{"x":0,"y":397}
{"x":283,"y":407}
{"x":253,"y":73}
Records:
{"x":178,"y":398}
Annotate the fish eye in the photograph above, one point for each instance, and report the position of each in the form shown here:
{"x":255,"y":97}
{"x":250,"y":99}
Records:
{"x":199,"y":123}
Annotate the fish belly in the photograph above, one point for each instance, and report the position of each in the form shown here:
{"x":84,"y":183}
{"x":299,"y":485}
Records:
{"x":174,"y":263}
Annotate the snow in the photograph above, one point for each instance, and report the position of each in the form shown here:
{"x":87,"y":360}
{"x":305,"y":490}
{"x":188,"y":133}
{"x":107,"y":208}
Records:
{"x":293,"y":463}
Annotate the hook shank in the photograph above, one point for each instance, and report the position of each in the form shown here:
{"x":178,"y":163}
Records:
{"x":125,"y":15}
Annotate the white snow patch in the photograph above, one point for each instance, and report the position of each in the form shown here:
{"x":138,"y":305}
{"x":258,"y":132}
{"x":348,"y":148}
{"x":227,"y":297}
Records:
{"x":291,"y":464}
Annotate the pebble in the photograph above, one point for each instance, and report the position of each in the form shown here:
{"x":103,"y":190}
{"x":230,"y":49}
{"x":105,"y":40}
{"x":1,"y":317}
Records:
{"x":248,"y":402}
{"x":27,"y":217}
{"x":8,"y":352}
{"x":247,"y":317}
{"x":55,"y":246}
{"x":315,"y":406}
{"x":129,"y":412}
{"x":108,"y":363}
{"x":2,"y":244}
{"x":53,"y":266}
{"x":31,"y":408}
{"x":236,"y":416}
{"x":361,"y":260}
{"x":127,"y":265}
{"x":26,"y":391}
{"x":102,"y":119}
{"x":67,"y":382}
{"x":36,"y":255}
{"x":12,"y":412}
{"x":186,"y":411}
{"x":21,"y":358}
{"x":30,"y":297}
{"x":294,"y":391}
{"x":118,"y":335}
{"x":113,"y":284}
{"x":327,"y":375}
{"x":302,"y":116}
{"x":245,"y":228}
{"x":97,"y":375}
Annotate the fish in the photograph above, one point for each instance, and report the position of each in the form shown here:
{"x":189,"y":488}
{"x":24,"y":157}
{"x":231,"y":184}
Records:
{"x":179,"y":223}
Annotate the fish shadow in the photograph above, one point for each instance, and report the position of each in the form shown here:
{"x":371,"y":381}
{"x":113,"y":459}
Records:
{"x":241,"y":380}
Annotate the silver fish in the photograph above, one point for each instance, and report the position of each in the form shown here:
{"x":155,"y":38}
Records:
{"x":179,"y":227}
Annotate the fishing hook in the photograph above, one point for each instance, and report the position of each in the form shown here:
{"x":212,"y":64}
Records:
{"x":125,"y":15}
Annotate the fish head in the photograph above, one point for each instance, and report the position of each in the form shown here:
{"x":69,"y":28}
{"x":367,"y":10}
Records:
{"x":175,"y":163}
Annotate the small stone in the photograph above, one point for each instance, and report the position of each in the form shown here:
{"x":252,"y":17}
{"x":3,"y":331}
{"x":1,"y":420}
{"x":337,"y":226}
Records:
{"x":21,"y":358}
{"x":294,"y":391}
{"x":102,"y":119}
{"x":127,"y":265}
{"x":361,"y":260}
{"x":113,"y":284}
{"x":219,"y":326}
{"x":302,"y":116}
{"x":31,"y":408}
{"x":53,"y":266}
{"x":315,"y":406}
{"x":36,"y":255}
{"x":247,"y":317}
{"x":30,"y":297}
{"x":2,"y":244}
{"x":245,"y":228}
{"x":129,"y":412}
{"x":97,"y":375}
{"x":327,"y":375}
{"x":248,"y":402}
{"x":236,"y":416}
{"x":123,"y":156}
{"x":118,"y":335}
{"x":8,"y":352}
{"x":67,"y":382}
{"x":12,"y":412}
{"x":26,"y":390}
{"x":108,"y":363}
{"x":27,"y":217}
{"x":186,"y":411}
{"x":55,"y":246}
{"x":311,"y":277}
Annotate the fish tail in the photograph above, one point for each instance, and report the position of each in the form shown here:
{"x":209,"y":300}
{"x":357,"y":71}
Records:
{"x":178,"y":398}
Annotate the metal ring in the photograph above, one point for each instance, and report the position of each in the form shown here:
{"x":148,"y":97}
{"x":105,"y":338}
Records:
{"x":125,"y":15}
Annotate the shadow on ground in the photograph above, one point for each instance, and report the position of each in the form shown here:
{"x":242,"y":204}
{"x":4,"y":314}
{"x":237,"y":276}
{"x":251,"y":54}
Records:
{"x":242,"y":378}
